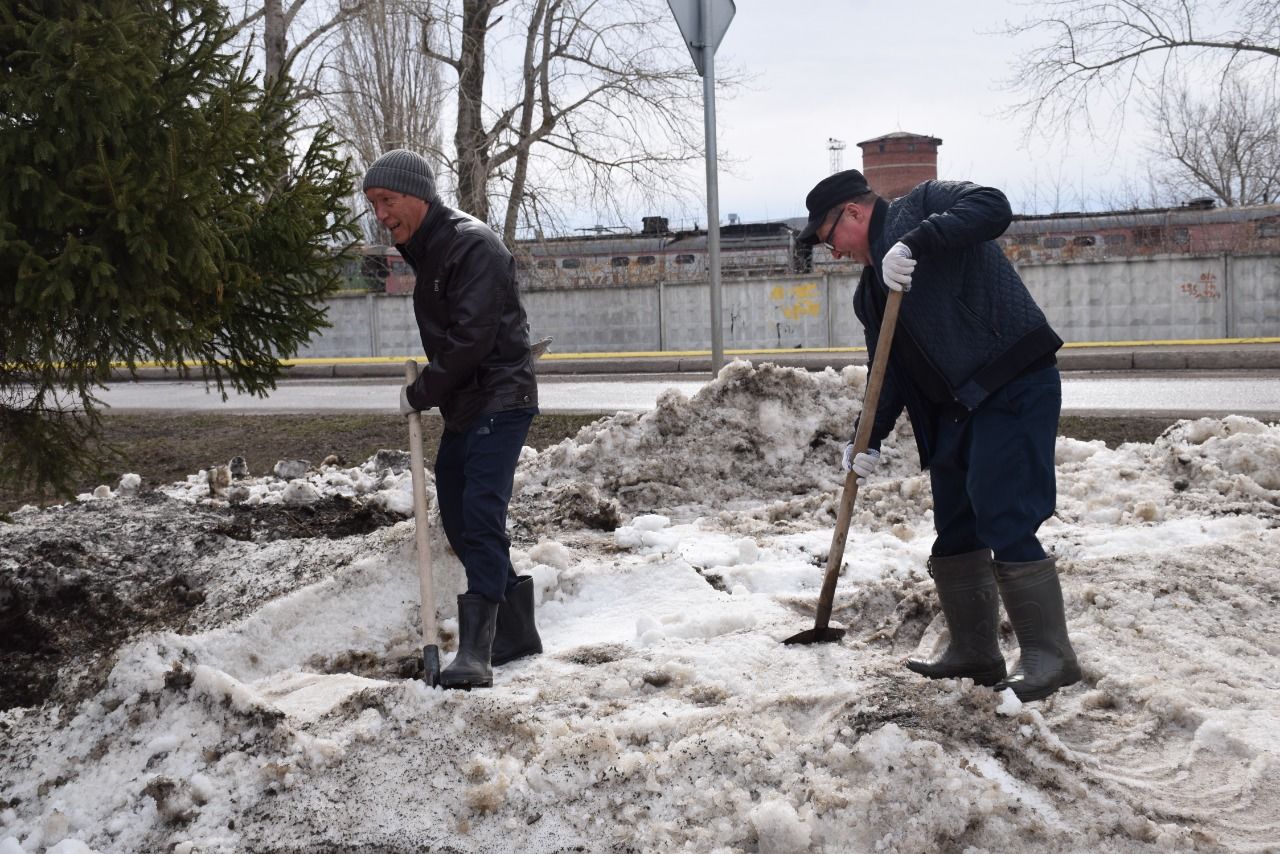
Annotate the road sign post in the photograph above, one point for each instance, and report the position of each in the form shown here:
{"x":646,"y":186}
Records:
{"x":703,"y":24}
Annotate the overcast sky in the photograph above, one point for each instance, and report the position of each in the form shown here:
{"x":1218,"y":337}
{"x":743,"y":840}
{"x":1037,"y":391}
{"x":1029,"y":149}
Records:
{"x":857,"y":70}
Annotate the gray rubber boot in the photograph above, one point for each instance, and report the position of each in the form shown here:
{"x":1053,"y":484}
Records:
{"x":971,"y":606}
{"x":477,"y":617}
{"x":517,"y":634}
{"x":1033,"y":600}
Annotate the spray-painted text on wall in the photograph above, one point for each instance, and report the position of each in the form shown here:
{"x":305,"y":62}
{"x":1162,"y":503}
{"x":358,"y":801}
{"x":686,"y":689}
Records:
{"x":797,"y":301}
{"x":1206,"y":288}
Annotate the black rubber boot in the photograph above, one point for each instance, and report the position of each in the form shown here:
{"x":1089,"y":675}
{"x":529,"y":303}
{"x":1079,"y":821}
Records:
{"x":517,"y":634}
{"x":967,"y":591}
{"x":477,"y":617}
{"x":1033,"y":599}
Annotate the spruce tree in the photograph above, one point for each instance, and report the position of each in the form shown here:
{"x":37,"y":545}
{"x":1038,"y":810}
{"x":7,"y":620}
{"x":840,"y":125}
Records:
{"x":157,"y":203}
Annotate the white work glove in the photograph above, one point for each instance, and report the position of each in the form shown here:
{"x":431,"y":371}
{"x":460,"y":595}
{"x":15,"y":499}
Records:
{"x":897,"y":266}
{"x":863,"y":465}
{"x":406,"y":408}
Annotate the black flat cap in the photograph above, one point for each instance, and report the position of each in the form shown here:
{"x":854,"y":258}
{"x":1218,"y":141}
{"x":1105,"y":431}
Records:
{"x":826,"y":194}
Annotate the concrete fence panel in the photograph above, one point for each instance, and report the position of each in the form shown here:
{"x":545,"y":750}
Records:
{"x":1123,"y":299}
{"x":1133,"y":299}
{"x":846,"y":330}
{"x":596,"y":320}
{"x":757,"y":313}
{"x":351,"y":330}
{"x":397,"y":328}
{"x":1254,"y":295}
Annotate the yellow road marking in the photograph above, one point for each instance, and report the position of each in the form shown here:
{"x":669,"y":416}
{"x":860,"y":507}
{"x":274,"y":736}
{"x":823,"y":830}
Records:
{"x":638,"y":354}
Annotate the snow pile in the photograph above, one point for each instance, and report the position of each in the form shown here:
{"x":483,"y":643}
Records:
{"x":751,"y":434}
{"x":262,"y":703}
{"x":383,"y":479}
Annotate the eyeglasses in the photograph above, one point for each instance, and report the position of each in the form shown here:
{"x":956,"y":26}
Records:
{"x":832,"y":230}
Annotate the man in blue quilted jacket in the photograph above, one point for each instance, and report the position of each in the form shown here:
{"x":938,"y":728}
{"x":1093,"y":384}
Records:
{"x":973,"y":365}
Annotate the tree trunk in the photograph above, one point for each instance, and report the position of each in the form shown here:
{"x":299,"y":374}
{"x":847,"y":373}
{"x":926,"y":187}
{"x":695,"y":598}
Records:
{"x":274,"y":44}
{"x":469,"y":139}
{"x":535,"y":63}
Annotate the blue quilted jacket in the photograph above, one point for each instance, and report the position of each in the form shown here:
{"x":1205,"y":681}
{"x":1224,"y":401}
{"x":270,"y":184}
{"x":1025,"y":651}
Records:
{"x":967,"y":326}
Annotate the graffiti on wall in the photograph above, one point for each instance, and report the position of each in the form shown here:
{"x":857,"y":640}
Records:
{"x":797,"y":301}
{"x":1206,"y":288}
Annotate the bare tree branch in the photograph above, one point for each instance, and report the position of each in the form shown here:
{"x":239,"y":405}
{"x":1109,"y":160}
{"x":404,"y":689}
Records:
{"x":385,"y":90}
{"x":1095,"y":55}
{"x":591,"y":100}
{"x":248,"y":13}
{"x":556,"y":105}
{"x":1226,"y":146}
{"x":346,"y":11}
{"x":283,"y":24}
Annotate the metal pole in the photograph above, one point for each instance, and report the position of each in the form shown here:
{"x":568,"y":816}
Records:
{"x":1228,"y":298}
{"x":662,"y":315}
{"x":829,"y":307}
{"x":713,"y":189}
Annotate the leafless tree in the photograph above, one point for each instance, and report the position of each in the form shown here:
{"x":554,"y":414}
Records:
{"x":589,"y":101}
{"x":554,"y":105}
{"x":289,"y":32}
{"x":382,"y":90}
{"x":1095,"y":55}
{"x":1225,"y":144}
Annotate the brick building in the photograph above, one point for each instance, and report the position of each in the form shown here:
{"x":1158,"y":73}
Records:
{"x":896,"y":162}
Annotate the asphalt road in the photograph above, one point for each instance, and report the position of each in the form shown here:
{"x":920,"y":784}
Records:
{"x":1189,"y":395}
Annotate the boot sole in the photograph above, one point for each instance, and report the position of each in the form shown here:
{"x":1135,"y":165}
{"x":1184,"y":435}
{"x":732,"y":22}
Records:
{"x":499,"y":660}
{"x":1069,"y":677}
{"x":465,"y":686}
{"x":985,"y":678}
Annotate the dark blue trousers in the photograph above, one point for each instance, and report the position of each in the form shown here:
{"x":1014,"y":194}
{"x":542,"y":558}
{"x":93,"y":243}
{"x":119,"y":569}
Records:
{"x":993,"y":477}
{"x":474,"y":473}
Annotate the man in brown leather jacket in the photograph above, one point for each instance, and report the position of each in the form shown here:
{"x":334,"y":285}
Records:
{"x":480,"y":375}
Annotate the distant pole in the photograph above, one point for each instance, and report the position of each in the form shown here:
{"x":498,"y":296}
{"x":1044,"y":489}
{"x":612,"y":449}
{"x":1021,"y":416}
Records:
{"x":713,"y":192}
{"x":836,"y":147}
{"x":702,"y":24}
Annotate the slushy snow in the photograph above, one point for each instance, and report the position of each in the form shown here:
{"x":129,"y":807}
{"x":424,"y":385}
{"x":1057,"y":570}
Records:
{"x":672,"y":552}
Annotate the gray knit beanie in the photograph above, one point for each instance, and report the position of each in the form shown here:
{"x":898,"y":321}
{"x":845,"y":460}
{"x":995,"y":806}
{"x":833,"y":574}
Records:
{"x":403,"y":172}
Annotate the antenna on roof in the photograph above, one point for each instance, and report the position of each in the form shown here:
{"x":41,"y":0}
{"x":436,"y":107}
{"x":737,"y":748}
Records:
{"x":604,"y":229}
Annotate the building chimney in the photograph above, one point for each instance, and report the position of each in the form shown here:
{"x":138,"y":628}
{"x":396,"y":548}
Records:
{"x":896,"y":162}
{"x":653,"y":225}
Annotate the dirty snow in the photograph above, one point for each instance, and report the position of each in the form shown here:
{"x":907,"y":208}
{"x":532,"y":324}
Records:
{"x":251,"y":693}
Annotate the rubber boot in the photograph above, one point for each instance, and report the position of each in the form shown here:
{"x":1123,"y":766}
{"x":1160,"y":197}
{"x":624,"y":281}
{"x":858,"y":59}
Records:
{"x":1033,"y":599}
{"x":517,"y":634}
{"x":477,"y":617}
{"x":971,"y":606}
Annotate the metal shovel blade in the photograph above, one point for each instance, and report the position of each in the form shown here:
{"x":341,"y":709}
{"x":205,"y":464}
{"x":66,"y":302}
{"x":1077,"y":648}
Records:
{"x":431,"y":666}
{"x":541,"y":346}
{"x":808,"y":636}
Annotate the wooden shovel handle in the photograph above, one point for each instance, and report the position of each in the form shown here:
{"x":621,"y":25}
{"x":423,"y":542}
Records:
{"x":860,"y":441}
{"x":422,"y":536}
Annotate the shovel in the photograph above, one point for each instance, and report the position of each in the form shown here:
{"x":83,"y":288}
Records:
{"x":422,"y":537}
{"x":821,"y":632}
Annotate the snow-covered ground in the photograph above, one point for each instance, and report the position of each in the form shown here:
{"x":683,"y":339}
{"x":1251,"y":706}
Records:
{"x":232,"y":687}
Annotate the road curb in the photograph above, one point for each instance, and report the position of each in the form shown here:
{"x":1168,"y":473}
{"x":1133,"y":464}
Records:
{"x":1165,"y":357}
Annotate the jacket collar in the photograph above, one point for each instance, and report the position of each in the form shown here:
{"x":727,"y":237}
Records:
{"x":876,"y":227}
{"x":415,"y":250}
